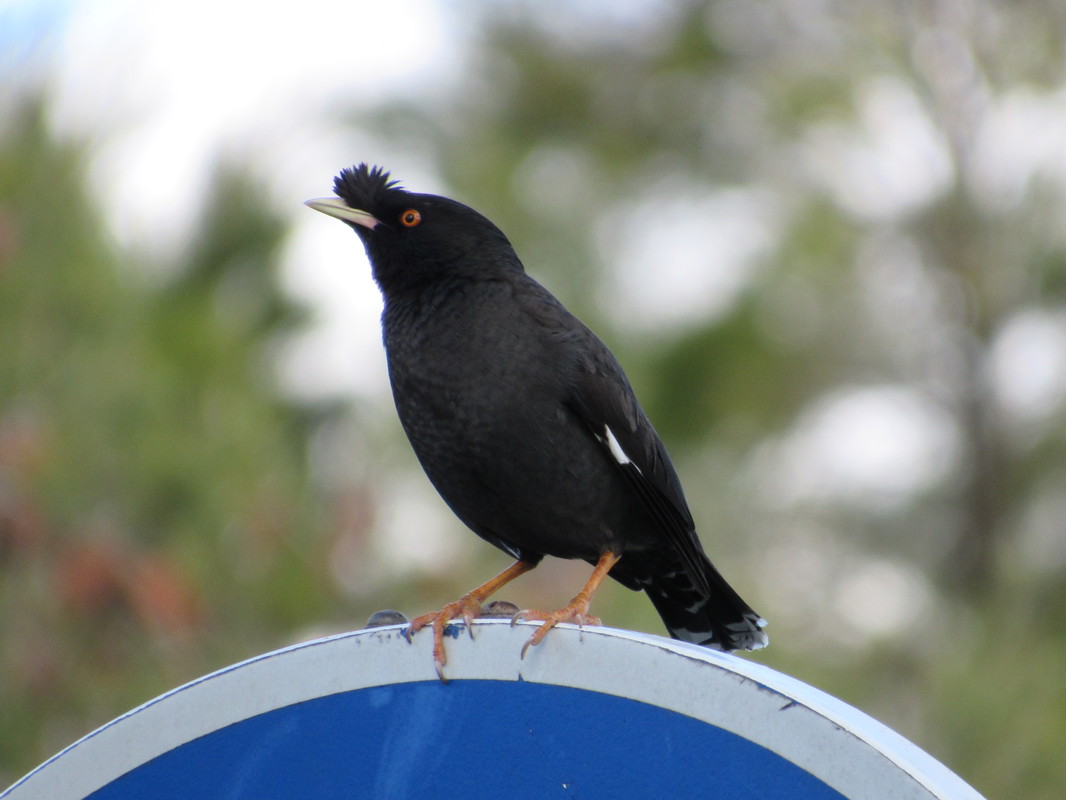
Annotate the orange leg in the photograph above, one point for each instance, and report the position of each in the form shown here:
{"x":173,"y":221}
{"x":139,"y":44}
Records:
{"x":574,"y":611}
{"x":468,"y":607}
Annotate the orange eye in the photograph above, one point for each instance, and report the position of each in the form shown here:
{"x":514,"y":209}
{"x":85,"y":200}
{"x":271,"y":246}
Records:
{"x":410,"y":218}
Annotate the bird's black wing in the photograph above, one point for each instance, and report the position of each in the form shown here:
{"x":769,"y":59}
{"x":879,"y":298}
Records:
{"x":605,"y":402}
{"x":598,"y":393}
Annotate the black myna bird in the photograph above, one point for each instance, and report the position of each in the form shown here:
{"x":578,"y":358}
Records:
{"x":524,"y":421}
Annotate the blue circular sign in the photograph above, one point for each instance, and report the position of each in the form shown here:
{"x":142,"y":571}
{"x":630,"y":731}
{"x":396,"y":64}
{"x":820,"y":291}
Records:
{"x":593,"y":713}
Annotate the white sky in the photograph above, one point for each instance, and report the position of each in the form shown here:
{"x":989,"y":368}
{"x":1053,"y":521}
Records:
{"x":167,"y":88}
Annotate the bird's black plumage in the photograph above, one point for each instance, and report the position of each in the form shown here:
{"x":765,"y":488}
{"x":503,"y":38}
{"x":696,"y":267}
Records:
{"x":521,"y":417}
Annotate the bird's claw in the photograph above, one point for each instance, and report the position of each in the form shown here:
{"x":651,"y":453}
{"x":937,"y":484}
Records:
{"x":468,"y":619}
{"x":467,"y":607}
{"x":550,"y":619}
{"x":418,"y":623}
{"x":438,"y":665}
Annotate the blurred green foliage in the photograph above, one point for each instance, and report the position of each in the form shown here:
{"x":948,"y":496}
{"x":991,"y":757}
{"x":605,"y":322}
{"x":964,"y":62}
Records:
{"x":163,"y":507}
{"x":154,"y":509}
{"x":869,"y":282}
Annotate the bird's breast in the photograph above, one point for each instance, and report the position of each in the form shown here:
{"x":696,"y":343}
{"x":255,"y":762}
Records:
{"x":472,"y":358}
{"x":481,"y":389}
{"x":479,"y":394}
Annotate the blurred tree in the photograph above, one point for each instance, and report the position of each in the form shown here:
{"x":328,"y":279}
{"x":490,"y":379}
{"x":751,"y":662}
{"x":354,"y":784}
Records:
{"x":842,"y":370}
{"x":155,"y":517}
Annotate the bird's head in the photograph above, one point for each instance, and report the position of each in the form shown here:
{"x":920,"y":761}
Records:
{"x":414,"y":238}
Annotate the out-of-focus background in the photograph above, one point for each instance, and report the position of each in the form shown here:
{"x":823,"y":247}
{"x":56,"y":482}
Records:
{"x":826,"y":239}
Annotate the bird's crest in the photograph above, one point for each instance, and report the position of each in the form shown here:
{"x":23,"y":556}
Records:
{"x":365,"y":187}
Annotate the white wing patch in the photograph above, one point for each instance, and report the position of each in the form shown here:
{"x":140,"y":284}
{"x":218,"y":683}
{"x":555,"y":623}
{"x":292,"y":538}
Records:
{"x":616,"y":449}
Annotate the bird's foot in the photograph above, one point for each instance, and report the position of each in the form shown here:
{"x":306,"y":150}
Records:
{"x":576,"y":611}
{"x":468,"y":607}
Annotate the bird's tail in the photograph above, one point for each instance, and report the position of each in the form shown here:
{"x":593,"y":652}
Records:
{"x":717,"y":618}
